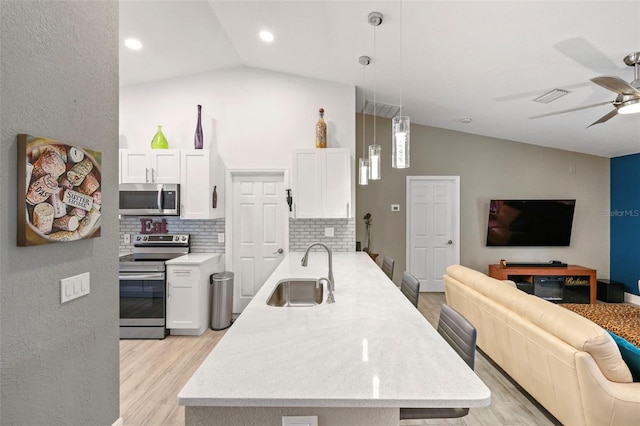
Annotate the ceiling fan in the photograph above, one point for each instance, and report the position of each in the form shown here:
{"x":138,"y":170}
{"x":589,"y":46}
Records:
{"x":628,"y":99}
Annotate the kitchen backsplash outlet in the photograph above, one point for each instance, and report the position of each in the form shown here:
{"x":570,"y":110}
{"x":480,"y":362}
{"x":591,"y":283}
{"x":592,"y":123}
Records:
{"x":303,"y":232}
{"x":203,"y":233}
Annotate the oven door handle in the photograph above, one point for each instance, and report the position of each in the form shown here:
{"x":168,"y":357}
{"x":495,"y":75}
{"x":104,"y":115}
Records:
{"x":135,"y":277}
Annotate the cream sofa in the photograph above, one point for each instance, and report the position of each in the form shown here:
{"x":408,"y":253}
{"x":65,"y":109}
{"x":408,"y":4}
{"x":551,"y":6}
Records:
{"x":569,"y":364}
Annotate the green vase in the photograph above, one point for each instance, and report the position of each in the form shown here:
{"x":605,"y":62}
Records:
{"x":159,"y":141}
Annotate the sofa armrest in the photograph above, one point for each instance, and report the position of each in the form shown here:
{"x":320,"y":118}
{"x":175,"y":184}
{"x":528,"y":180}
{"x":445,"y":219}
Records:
{"x":606,"y":402}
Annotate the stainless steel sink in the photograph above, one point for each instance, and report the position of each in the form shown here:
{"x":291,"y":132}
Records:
{"x":296,"y":292}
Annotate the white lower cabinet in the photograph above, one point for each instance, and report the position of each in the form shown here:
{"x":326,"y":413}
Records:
{"x":188,"y":292}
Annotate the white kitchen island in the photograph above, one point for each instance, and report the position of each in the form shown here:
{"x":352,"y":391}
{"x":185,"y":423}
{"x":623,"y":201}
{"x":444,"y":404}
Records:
{"x":353,"y":362}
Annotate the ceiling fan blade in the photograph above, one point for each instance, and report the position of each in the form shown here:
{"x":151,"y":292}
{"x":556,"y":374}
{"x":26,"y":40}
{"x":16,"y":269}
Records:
{"x":604,"y":118}
{"x":588,"y":55}
{"x":615,"y":84}
{"x":570,"y":110}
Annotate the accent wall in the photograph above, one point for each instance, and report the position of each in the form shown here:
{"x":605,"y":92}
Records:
{"x":625,"y":221}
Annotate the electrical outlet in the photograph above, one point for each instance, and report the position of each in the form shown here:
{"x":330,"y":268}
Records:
{"x":221,"y":237}
{"x":329,"y":232}
{"x":395,"y":207}
{"x":127,"y":238}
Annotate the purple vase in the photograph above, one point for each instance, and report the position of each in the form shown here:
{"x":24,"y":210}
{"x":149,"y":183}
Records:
{"x":197,"y":140}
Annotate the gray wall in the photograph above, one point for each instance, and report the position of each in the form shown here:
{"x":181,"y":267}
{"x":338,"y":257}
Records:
{"x":488,"y":168}
{"x":59,"y":79}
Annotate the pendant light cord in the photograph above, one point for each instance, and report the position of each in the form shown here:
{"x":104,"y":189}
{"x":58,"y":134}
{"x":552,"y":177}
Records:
{"x":364,"y":98}
{"x":401,"y":57}
{"x":375,"y":82}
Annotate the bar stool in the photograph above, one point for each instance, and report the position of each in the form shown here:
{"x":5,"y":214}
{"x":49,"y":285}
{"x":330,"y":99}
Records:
{"x":387,"y":266}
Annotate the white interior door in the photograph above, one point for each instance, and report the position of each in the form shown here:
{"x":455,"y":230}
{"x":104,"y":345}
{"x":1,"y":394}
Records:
{"x":259,"y":225}
{"x":433,"y":225}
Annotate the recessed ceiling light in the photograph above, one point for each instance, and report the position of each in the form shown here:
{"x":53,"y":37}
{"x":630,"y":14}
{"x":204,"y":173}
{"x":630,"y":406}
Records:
{"x":133,"y":44}
{"x":466,"y":120}
{"x":266,"y":36}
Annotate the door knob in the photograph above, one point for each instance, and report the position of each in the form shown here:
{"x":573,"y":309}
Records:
{"x":449,"y":242}
{"x":279,"y":251}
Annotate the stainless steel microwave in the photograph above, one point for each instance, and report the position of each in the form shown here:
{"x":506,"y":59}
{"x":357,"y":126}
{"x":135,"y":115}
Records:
{"x":139,"y":199}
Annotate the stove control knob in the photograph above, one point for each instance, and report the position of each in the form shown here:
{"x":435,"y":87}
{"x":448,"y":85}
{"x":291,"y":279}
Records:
{"x":138,"y":238}
{"x":145,"y":238}
{"x":184,"y":238}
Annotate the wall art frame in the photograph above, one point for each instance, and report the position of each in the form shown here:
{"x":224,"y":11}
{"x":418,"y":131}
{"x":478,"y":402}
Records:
{"x":59,"y":191}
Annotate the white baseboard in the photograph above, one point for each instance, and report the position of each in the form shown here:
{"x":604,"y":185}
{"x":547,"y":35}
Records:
{"x":119,"y":422}
{"x":632,"y":298}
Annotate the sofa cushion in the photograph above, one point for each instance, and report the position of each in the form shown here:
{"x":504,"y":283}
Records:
{"x":630,"y":355}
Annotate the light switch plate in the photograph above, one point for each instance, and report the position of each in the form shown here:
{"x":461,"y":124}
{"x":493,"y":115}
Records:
{"x":74,"y":287}
{"x":395,"y":207}
{"x":127,"y":238}
{"x":329,"y":232}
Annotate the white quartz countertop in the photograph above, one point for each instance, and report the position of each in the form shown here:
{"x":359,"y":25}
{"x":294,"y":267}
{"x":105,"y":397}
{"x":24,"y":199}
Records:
{"x":193,"y":258}
{"x":371,"y":348}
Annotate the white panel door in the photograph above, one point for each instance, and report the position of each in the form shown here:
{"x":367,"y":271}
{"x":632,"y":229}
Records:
{"x":432,"y":228}
{"x":258,"y":232}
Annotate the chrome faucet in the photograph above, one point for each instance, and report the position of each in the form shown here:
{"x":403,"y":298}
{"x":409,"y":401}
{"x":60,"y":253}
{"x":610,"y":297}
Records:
{"x":331,"y":283}
{"x":330,"y":298}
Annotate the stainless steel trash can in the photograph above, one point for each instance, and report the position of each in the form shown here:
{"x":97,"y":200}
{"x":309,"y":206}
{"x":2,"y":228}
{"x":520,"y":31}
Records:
{"x":221,"y":300}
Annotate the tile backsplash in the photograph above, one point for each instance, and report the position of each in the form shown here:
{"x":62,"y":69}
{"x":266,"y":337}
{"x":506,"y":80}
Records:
{"x":303,"y":232}
{"x":204,"y":233}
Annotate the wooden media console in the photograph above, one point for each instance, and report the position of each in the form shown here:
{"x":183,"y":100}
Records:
{"x":568,"y":284}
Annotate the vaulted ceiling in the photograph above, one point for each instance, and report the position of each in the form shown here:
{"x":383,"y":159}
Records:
{"x":448,"y":60}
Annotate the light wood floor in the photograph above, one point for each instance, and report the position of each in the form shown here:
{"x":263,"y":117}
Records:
{"x":152,"y":372}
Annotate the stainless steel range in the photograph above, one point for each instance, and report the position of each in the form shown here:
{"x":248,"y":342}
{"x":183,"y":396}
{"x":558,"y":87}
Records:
{"x":143,"y":284}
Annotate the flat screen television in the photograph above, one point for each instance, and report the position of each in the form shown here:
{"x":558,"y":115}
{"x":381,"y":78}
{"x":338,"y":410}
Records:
{"x":530,"y":222}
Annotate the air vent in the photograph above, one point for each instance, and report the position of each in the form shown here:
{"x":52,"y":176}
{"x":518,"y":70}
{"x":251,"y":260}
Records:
{"x":381,"y":110}
{"x":551,"y":96}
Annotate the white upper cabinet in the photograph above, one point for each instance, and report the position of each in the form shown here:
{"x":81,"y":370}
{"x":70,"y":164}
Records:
{"x":322,"y":183}
{"x":202,"y":180}
{"x":150,"y":165}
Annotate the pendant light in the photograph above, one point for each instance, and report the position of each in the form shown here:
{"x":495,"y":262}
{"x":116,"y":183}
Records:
{"x":363,"y":164}
{"x":401,"y":136}
{"x":375,"y":19}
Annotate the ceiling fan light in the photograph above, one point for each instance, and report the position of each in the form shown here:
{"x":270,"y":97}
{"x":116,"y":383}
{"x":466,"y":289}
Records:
{"x":630,"y":107}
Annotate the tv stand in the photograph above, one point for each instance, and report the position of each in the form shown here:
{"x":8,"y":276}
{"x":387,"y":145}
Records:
{"x":576,"y":282}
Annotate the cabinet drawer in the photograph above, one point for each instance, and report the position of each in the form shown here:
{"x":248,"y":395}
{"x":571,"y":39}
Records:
{"x":182,"y":272}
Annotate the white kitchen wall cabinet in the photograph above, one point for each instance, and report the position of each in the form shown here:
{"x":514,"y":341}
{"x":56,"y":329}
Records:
{"x":201,"y":180}
{"x":150,"y":165}
{"x":322,"y":183}
{"x":188,"y":292}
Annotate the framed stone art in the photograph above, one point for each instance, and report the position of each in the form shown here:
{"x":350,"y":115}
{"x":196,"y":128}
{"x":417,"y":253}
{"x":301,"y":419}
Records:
{"x":59,"y":191}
